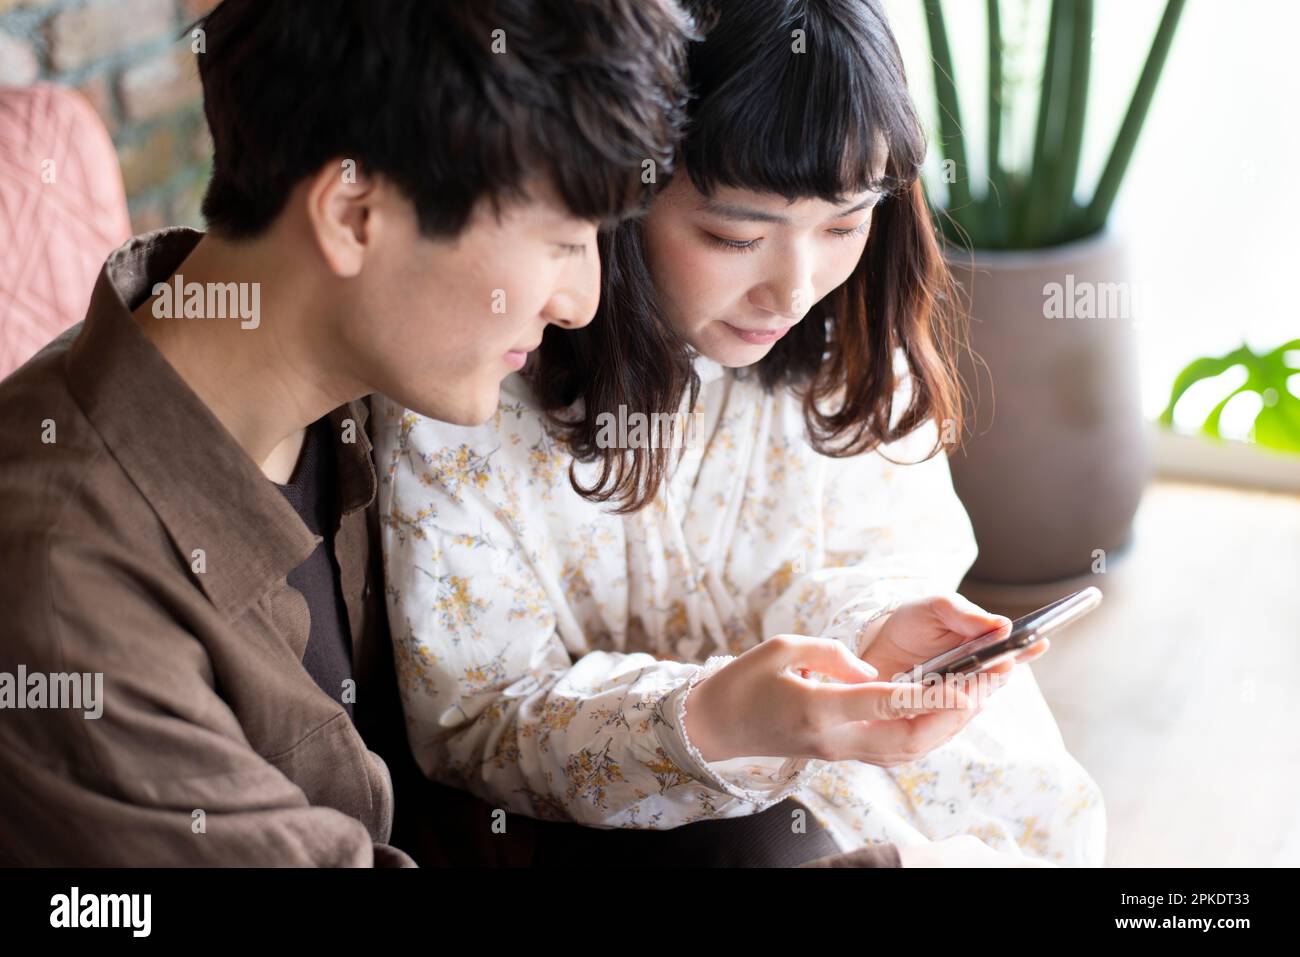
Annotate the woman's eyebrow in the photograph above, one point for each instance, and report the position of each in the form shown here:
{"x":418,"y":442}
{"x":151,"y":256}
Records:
{"x":741,"y":213}
{"x":871,"y":200}
{"x":736,"y":213}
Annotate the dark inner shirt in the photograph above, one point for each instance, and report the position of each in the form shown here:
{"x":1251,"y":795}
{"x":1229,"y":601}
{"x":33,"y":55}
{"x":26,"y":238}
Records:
{"x":313,"y":493}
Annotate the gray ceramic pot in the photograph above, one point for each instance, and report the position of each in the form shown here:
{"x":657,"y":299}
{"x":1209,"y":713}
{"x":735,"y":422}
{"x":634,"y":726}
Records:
{"x":1056,"y":462}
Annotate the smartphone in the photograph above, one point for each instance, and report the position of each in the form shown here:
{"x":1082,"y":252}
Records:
{"x":982,"y":653}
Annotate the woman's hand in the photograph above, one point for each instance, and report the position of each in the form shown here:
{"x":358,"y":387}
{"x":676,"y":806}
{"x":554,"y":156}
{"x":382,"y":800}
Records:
{"x":920,"y":629}
{"x":760,"y":705}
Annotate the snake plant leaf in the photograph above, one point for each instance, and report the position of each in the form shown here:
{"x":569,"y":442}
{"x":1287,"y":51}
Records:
{"x":998,"y":192}
{"x":1098,"y":211}
{"x":1033,"y":206}
{"x":952,"y":133}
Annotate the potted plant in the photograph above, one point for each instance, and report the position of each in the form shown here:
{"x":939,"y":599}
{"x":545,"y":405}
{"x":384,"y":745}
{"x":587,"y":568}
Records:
{"x":1053,"y":466}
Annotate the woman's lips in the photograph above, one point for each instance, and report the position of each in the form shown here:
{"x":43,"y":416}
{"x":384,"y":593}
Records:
{"x":758,"y":337}
{"x":516,"y":359}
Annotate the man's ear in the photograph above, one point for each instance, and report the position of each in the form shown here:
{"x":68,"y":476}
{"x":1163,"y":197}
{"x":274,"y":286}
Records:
{"x":340,"y":209}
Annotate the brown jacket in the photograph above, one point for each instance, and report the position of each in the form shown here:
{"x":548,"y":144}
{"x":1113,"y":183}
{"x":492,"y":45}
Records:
{"x":139,"y":541}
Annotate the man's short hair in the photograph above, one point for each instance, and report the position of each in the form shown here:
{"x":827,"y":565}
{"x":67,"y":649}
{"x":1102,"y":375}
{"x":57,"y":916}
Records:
{"x":450,"y":100}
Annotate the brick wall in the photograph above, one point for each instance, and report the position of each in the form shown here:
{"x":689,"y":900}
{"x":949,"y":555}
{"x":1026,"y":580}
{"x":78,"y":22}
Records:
{"x":132,"y":61}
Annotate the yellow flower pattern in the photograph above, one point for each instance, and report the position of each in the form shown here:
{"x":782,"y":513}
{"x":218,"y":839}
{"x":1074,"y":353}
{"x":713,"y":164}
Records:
{"x":548,"y":645}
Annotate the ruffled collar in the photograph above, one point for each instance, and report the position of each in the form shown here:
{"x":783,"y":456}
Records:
{"x":707,"y":369}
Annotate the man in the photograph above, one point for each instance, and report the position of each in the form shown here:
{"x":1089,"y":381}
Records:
{"x":404,"y":196}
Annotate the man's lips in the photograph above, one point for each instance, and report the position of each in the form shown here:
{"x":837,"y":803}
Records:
{"x":516,"y":358}
{"x":758,"y":337}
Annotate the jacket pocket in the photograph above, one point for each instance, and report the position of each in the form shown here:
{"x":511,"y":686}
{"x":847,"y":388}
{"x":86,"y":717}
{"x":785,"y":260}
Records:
{"x":335,"y":769}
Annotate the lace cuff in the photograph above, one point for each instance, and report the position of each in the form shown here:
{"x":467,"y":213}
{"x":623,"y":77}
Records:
{"x":762,"y":781}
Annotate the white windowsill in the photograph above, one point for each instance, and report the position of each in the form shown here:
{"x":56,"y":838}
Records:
{"x":1191,"y":458}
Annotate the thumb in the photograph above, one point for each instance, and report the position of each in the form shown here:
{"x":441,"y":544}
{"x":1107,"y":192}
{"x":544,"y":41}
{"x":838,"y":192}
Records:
{"x":968,"y":619}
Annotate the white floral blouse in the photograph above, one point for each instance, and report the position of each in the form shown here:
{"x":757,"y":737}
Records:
{"x":545,"y":647}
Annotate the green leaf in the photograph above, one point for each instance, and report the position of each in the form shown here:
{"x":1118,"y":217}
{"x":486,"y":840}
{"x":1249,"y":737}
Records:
{"x":1210,"y":426}
{"x":1277,"y":424}
{"x":1280,"y":352}
{"x":1196,"y":371}
{"x":952,"y":138}
{"x":1126,"y":140}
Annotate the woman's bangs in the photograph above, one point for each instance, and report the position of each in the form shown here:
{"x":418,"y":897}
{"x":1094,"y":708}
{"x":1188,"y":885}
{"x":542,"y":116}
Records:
{"x":806,"y":124}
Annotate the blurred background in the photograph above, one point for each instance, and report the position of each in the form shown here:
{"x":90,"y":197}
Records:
{"x":1079,"y":469}
{"x":1111,"y":180}
{"x":126,"y":57}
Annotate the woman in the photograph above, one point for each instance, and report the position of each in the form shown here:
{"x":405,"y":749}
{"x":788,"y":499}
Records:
{"x":564,"y":581}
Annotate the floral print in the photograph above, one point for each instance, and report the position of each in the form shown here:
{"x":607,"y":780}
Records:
{"x":548,"y":646}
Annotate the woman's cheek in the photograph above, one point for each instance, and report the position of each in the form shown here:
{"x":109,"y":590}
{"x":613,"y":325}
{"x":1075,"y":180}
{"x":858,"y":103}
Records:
{"x":722,"y":278}
{"x":837,"y":269}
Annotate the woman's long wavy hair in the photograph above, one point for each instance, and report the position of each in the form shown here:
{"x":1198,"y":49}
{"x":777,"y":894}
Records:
{"x":766,"y":118}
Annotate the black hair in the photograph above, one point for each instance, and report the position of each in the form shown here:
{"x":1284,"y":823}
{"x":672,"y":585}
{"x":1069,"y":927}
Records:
{"x":450,"y":100}
{"x":800,"y":98}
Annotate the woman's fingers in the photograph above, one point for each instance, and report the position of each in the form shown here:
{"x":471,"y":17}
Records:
{"x":881,"y":701}
{"x":1036,"y":650}
{"x":888,"y":743}
{"x":1003,"y":670}
{"x":823,"y":655}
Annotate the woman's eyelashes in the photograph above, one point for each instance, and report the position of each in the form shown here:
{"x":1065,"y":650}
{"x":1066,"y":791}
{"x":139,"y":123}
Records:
{"x":750,"y":245}
{"x":734,"y":245}
{"x":853,"y":230}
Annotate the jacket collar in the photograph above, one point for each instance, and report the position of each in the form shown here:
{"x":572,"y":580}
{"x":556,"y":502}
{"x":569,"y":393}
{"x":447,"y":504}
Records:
{"x":202,"y":485}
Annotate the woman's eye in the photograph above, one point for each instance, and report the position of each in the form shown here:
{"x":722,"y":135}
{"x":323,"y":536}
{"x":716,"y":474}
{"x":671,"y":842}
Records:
{"x":855,"y":231}
{"x":734,"y":244}
{"x":569,"y":249}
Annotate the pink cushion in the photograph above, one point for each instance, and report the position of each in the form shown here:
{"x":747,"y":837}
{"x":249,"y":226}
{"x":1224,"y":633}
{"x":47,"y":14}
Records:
{"x":54,"y":236}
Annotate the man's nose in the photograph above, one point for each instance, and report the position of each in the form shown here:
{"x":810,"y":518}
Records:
{"x":564,"y":312}
{"x":575,"y":308}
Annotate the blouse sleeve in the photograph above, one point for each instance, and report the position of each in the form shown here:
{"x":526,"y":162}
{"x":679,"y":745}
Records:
{"x":496,"y":700}
{"x":890,"y":533}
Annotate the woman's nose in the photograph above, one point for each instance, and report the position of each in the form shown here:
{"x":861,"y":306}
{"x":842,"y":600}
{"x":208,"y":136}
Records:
{"x":787,"y":301}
